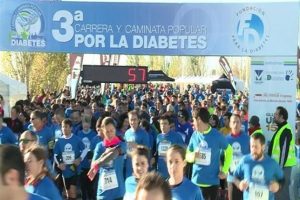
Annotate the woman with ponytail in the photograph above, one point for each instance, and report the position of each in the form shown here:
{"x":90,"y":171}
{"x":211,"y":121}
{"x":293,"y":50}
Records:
{"x":108,"y":160}
{"x":37,"y":176}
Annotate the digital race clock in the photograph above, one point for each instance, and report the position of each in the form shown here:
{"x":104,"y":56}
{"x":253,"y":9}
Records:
{"x":95,"y":74}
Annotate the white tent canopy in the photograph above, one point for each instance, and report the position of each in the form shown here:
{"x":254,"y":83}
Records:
{"x":12,"y":91}
{"x":205,"y":80}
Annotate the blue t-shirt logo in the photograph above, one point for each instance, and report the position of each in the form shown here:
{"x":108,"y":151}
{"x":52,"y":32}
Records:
{"x":237,"y":149}
{"x":86,"y":142}
{"x":68,"y":147}
{"x":258,"y":174}
{"x":203,"y":144}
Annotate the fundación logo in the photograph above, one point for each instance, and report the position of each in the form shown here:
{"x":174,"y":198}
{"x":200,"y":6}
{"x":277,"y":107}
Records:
{"x":251,"y":32}
{"x":258,"y":75}
{"x":27,"y":27}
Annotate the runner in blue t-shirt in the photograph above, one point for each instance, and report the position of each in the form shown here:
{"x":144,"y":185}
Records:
{"x":98,"y":138}
{"x":182,"y":188}
{"x":184,"y":127}
{"x":258,"y":175}
{"x":69,"y":151}
{"x":6,"y":134}
{"x":45,"y":134}
{"x":12,"y":175}
{"x":109,"y":161}
{"x":153,"y":186}
{"x":70,"y":109}
{"x":163,"y":143}
{"x":76,"y":121}
{"x":134,"y":136}
{"x":86,"y":135}
{"x":37,"y":180}
{"x":240,"y":143}
{"x":59,"y":116}
{"x":204,"y":152}
{"x":140,"y":164}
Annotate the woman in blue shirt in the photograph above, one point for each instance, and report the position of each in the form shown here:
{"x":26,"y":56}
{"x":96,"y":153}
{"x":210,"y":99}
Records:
{"x":181,"y":187}
{"x":37,"y":180}
{"x":108,"y":159}
{"x":140,"y":164}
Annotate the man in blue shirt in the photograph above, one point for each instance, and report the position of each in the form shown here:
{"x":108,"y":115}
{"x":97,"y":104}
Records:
{"x":258,"y":175}
{"x":69,"y":152}
{"x":70,"y":109}
{"x":45,"y":134}
{"x":240,"y":143}
{"x":204,"y":152}
{"x":184,"y":127}
{"x":76,"y":121}
{"x":134,"y":136}
{"x":59,"y":116}
{"x":86,"y":135}
{"x":164,"y":140}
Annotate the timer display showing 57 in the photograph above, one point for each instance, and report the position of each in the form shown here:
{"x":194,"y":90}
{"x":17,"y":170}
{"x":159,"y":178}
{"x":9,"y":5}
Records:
{"x":94,"y":74}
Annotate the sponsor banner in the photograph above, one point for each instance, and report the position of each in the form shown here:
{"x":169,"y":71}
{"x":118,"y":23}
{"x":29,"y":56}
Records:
{"x":75,"y":72}
{"x":272,"y":84}
{"x":150,"y":28}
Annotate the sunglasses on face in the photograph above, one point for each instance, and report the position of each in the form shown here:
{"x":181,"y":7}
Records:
{"x":25,"y":141}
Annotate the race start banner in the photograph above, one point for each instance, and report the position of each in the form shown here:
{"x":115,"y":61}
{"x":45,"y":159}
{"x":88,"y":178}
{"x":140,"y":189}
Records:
{"x":254,"y":29}
{"x":272,"y":84}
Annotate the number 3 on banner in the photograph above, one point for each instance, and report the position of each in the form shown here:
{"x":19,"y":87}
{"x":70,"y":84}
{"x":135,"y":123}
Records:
{"x":66,"y":20}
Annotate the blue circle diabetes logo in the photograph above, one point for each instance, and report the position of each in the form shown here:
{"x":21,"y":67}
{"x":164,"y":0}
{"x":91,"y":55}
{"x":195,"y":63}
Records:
{"x":251,"y":32}
{"x":27,"y":26}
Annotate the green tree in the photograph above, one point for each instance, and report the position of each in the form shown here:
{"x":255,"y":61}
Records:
{"x":49,"y":72}
{"x":18,"y":65}
{"x":37,"y":70}
{"x":157,"y":63}
{"x":136,"y":60}
{"x":196,"y":65}
{"x":176,"y":67}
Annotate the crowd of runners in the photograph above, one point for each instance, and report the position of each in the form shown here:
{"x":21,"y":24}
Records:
{"x":145,"y":142}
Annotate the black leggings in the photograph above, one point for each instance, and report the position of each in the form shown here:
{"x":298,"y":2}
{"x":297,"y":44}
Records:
{"x":86,"y":185}
{"x":234,"y":193}
{"x":210,"y":193}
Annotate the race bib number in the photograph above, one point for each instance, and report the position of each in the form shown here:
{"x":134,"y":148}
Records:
{"x":130,"y":147}
{"x":258,"y":192}
{"x":68,"y":157}
{"x":163,"y":148}
{"x":235,"y":162}
{"x":108,"y":180}
{"x":203,"y":157}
